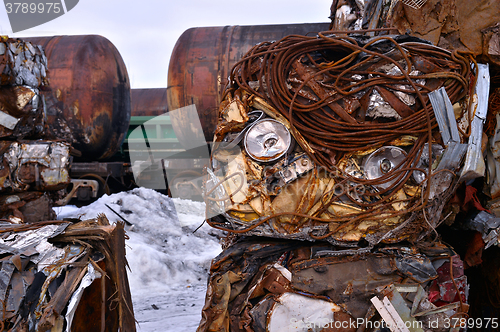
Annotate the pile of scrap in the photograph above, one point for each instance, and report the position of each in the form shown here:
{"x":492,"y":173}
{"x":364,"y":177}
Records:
{"x":356,"y":183}
{"x":465,"y":25}
{"x":54,"y":275}
{"x":63,"y":276}
{"x":33,"y":167}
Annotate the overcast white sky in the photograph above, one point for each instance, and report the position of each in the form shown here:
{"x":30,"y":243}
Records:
{"x":145,"y":31}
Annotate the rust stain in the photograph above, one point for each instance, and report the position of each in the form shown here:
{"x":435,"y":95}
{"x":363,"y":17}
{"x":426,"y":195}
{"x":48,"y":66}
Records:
{"x":89,"y":81}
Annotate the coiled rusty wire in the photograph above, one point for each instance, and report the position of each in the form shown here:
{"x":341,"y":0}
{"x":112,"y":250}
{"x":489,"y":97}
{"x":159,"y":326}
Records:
{"x":493,"y":110}
{"x":321,"y":126}
{"x":333,"y":134}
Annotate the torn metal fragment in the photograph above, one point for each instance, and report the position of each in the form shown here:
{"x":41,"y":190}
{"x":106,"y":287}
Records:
{"x":474,"y":166}
{"x":445,"y":116}
{"x":87,"y":280}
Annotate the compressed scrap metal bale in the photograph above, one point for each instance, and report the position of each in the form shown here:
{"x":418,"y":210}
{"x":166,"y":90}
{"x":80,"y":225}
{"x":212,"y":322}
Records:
{"x":39,"y":165}
{"x":355,"y":141}
{"x":465,"y":25}
{"x":32,"y":175}
{"x":336,"y":138}
{"x":23,"y":71}
{"x":59,"y":276}
{"x":27,"y":207}
{"x":270,"y":285}
{"x":22,"y":63}
{"x":370,"y":144}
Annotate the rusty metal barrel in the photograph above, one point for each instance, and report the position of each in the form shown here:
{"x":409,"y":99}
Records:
{"x":201,"y":63}
{"x":149,"y":102}
{"x":88,"y":102}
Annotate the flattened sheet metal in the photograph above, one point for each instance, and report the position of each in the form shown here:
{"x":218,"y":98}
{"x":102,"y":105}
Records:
{"x":419,"y":268}
{"x":5,"y":277}
{"x":389,"y":315}
{"x":58,"y":257}
{"x":445,"y":116}
{"x":483,"y":222}
{"x":402,"y":319}
{"x":39,"y":164}
{"x":452,"y":24}
{"x":18,"y":242}
{"x":474,"y":166}
{"x":17,"y":292}
{"x":8,"y":121}
{"x":87,"y":280}
{"x":452,"y":156}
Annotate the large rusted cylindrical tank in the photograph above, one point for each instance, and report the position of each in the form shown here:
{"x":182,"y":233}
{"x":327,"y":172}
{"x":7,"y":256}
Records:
{"x":88,"y":102}
{"x":201,"y":63}
{"x":149,"y":102}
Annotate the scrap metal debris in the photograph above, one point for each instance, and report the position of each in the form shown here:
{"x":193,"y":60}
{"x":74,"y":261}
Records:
{"x":23,"y":71}
{"x":63,"y":276}
{"x":465,"y":25}
{"x":34,"y":167}
{"x":370,"y":148}
{"x":361,"y":151}
{"x":272,"y":285}
{"x":54,"y":275}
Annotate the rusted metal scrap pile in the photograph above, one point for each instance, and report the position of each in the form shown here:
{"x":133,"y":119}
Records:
{"x":340,"y":164}
{"x":54,"y":275}
{"x":32,"y":168}
{"x":63,"y":276}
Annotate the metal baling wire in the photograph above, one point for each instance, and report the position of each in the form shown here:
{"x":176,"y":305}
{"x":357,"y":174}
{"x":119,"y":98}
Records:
{"x":268,"y":86}
{"x":337,"y":78}
{"x":353,"y":92}
{"x":345,"y":71}
{"x":493,"y":110}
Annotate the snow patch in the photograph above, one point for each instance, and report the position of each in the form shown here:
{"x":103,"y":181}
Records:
{"x":168,"y":262}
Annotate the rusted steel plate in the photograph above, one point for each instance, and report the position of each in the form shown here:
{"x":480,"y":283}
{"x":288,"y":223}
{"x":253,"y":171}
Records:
{"x":149,"y":102}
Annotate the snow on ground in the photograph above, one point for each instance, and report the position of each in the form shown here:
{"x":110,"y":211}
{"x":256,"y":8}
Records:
{"x":169,"y":263}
